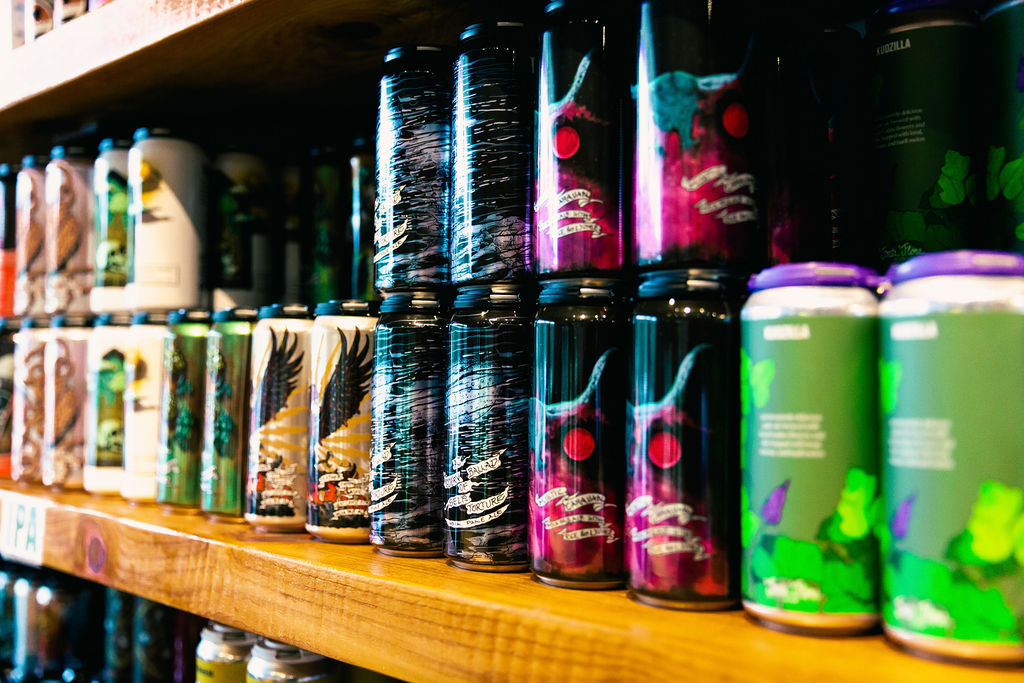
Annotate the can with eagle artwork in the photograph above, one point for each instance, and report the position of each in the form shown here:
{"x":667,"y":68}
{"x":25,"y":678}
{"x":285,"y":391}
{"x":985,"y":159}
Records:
{"x":30,"y":244}
{"x":341,"y":344}
{"x":69,"y":231}
{"x":27,"y":402}
{"x":64,"y":367}
{"x":275,"y":497}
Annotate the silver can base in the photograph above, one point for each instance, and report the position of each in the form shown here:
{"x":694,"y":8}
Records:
{"x":394,"y":552}
{"x":811,"y":623}
{"x":581,"y":585}
{"x":933,"y":647}
{"x":492,"y":568}
{"x":690,"y":606}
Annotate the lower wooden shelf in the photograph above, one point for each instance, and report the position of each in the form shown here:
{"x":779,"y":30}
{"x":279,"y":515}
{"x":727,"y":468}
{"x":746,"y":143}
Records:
{"x":422,"y":620}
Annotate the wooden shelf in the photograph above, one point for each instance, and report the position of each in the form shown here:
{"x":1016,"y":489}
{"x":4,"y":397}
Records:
{"x":422,"y":620}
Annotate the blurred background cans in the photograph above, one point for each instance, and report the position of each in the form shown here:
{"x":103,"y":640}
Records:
{"x":64,"y":366}
{"x":8,"y":328}
{"x":341,"y":344}
{"x":364,"y":193}
{"x":105,"y":372}
{"x":413,"y":157}
{"x":143,"y":380}
{"x":226,"y":417}
{"x":69,"y":231}
{"x":223,"y":654}
{"x":274,"y":662}
{"x":328,"y":256}
{"x":153,"y":650}
{"x":110,"y":239}
{"x":279,"y":419}
{"x":29,"y":405}
{"x":578,"y":434}
{"x":30,"y":248}
{"x":118,"y":632}
{"x":8,"y":239}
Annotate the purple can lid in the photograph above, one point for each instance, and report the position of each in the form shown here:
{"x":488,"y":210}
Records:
{"x":964,"y":262}
{"x":814,"y":274}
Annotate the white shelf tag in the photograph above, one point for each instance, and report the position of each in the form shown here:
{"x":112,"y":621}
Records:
{"x":22,"y":528}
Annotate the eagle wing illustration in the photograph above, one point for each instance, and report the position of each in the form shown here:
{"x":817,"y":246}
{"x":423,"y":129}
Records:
{"x":348,"y":385}
{"x":281,"y":376}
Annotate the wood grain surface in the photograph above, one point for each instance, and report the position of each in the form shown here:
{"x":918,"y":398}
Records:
{"x":422,"y":620}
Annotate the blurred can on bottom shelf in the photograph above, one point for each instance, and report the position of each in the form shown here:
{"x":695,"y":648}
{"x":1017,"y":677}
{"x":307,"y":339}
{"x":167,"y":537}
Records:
{"x":223,"y":654}
{"x":143,"y":377}
{"x":29,"y":405}
{"x":153,"y":638}
{"x":64,"y":366}
{"x":105,"y":358}
{"x":118,"y":632}
{"x":274,"y":662}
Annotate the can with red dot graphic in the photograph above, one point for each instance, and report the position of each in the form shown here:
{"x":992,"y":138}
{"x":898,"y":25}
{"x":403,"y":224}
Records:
{"x":578,"y":221}
{"x":682,"y":481}
{"x":577,"y":434}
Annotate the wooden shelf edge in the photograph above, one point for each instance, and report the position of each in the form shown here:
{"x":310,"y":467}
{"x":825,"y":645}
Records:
{"x":422,"y":620}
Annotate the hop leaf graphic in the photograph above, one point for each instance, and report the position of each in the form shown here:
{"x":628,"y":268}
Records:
{"x":900,"y":522}
{"x":749,"y":522}
{"x":995,"y":518}
{"x":890,"y":375}
{"x":771,"y":511}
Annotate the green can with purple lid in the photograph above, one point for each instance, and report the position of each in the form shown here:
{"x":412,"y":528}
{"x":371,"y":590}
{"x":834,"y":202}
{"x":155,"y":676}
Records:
{"x":809,"y":383}
{"x":951,"y":400}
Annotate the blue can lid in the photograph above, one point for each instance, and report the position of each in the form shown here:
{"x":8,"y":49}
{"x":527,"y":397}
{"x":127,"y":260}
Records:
{"x":901,"y":6}
{"x":346,"y":307}
{"x":150,"y":318}
{"x":108,"y":144}
{"x":12,"y":322}
{"x":285,"y":311}
{"x":143,"y":133}
{"x":113,"y":319}
{"x":35,"y":322}
{"x":814,"y":274}
{"x":964,"y":262}
{"x":72,"y":320}
{"x":5,"y":170}
{"x":32,"y":160}
{"x":413,"y":301}
{"x":242,"y":314}
{"x":189,"y":315}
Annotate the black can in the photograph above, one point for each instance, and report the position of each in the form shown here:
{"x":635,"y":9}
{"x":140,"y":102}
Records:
{"x":487,"y":468}
{"x":410,"y":373}
{"x":413,"y":150}
{"x":578,"y":434}
{"x":492,"y":154}
{"x":120,"y":616}
{"x":683,"y":490}
{"x":153,"y":650}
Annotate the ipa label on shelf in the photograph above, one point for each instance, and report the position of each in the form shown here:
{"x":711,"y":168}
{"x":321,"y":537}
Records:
{"x":22,"y":528}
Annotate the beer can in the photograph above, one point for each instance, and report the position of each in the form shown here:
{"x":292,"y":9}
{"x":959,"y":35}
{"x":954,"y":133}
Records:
{"x":578,"y":433}
{"x":66,"y":10}
{"x":487,"y":469}
{"x":30,"y":247}
{"x":38,"y":18}
{"x":182,"y":407}
{"x":294,"y":188}
{"x":111,"y":227}
{"x":341,"y":344}
{"x":410,"y":372}
{"x":65,"y":397}
{"x":330,"y":249}
{"x":8,"y":327}
{"x":578,"y":222}
{"x":274,"y":662}
{"x":413,"y":150}
{"x":118,"y":633}
{"x":694,"y":189}
{"x":226,"y":433}
{"x":8,"y":576}
{"x":143,"y":382}
{"x":26,"y":636}
{"x":682,"y":481}
{"x":810,"y":473}
{"x":106,"y":354}
{"x":8,"y":239}
{"x":153,"y":642}
{"x":923,"y":138}
{"x":953,"y":486}
{"x":29,"y":405}
{"x":69,"y":231}
{"x":223,"y":654}
{"x":492,"y":154}
{"x":187,"y":630}
{"x":241,"y":270}
{"x":279,"y":419}
{"x":364,"y":196}
{"x":167,"y":221}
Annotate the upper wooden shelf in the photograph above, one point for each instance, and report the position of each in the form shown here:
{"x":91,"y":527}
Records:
{"x":422,"y":620}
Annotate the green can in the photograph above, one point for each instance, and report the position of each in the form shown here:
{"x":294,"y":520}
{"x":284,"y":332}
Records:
{"x":182,"y":406}
{"x":952,"y":534}
{"x":923,"y":127}
{"x":226,"y":433}
{"x":810,"y":467}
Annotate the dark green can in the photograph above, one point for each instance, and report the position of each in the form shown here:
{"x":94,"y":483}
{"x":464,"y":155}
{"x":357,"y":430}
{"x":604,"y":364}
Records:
{"x":118,"y":636}
{"x":923,"y":128}
{"x":153,"y":642}
{"x":226,"y":433}
{"x":181,"y":409}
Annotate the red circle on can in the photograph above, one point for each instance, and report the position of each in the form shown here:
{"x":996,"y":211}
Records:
{"x":578,"y":444}
{"x":735,"y":120}
{"x":567,"y":142}
{"x":664,"y":450}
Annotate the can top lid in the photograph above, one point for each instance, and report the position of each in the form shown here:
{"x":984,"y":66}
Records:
{"x":663,"y":282}
{"x":11,"y":322}
{"x":346,"y":307}
{"x":113,"y":319}
{"x":64,"y":151}
{"x":272,"y":650}
{"x":188,"y":315}
{"x":814,"y":274}
{"x":241,"y":313}
{"x":72,"y":320}
{"x":220,"y":633}
{"x":412,"y":300}
{"x":477,"y":30}
{"x":33,"y":160}
{"x":108,"y":144}
{"x":5,"y":170}
{"x":143,"y":133}
{"x":990,"y":7}
{"x":889,"y":14}
{"x":38,"y":321}
{"x":500,"y":295}
{"x":599,"y":289}
{"x":150,"y":318}
{"x":964,"y":262}
{"x":285,"y":311}
{"x":408,"y":50}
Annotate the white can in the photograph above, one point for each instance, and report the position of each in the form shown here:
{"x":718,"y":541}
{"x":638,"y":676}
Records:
{"x":104,"y":428}
{"x":242,"y":234}
{"x":69,"y":231}
{"x":64,"y":363}
{"x":143,"y":382}
{"x":110,"y":238}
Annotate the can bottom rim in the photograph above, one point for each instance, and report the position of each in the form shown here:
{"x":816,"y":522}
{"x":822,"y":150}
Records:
{"x":688,"y":605}
{"x":349,"y":535}
{"x":581,"y":585}
{"x":933,"y":647}
{"x":811,"y":623}
{"x":394,"y":552}
{"x":493,"y":568}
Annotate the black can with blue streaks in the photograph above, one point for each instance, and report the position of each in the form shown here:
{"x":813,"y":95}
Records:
{"x":413,"y":156}
{"x":410,"y":372}
{"x":486,"y":476}
{"x":492,"y":156}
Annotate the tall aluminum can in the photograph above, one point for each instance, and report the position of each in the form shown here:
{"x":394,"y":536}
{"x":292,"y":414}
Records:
{"x":8,"y":330}
{"x":364,"y":196}
{"x":117,"y":628}
{"x":111,"y":227}
{"x":275,"y":498}
{"x":153,"y":650}
{"x":143,"y":382}
{"x":329,"y":251}
{"x":65,"y":398}
{"x":69,"y":231}
{"x":167,"y":221}
{"x":578,"y":433}
{"x":274,"y":662}
{"x":682,"y":482}
{"x":486,"y":474}
{"x":223,"y":654}
{"x":29,"y":405}
{"x":410,"y":373}
{"x":30,"y":248}
{"x":8,"y":576}
{"x":413,"y":157}
{"x":578,"y":221}
{"x":109,"y":346}
{"x":492,"y":154}
{"x":810,"y":448}
{"x":8,"y":239}
{"x":226,"y":433}
{"x":694,"y":184}
{"x":953,"y":486}
{"x":242,"y":266}
{"x":341,"y":344}
{"x":182,"y":406}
